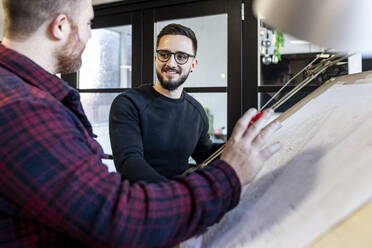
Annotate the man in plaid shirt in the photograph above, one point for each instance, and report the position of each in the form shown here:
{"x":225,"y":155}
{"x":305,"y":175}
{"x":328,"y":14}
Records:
{"x":54,"y":190}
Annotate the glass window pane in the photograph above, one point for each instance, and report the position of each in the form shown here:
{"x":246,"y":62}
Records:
{"x":283,"y":58}
{"x":215,"y":104}
{"x":97,"y":108}
{"x":265,"y":97}
{"x":107,"y":59}
{"x":211,"y":33}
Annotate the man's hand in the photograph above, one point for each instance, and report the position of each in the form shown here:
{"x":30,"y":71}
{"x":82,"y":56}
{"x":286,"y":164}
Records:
{"x":246,"y":149}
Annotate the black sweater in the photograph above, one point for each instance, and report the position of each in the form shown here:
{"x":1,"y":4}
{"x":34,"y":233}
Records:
{"x":153,"y":136}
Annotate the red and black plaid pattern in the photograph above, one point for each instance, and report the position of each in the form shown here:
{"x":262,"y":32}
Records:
{"x":55,"y":191}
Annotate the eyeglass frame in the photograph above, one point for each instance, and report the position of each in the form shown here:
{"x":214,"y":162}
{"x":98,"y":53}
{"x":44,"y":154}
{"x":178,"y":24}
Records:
{"x":174,"y":56}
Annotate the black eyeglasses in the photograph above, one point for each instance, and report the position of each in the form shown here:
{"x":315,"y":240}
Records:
{"x":180,"y":57}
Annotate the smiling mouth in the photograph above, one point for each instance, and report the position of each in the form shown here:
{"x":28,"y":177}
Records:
{"x":170,"y":71}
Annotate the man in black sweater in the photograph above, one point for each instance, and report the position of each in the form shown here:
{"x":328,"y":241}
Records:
{"x":154,"y":129}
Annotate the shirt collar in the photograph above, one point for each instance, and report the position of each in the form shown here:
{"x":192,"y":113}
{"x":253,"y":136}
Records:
{"x":33,"y":74}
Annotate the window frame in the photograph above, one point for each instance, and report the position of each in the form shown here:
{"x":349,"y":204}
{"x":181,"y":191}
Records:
{"x":142,"y":14}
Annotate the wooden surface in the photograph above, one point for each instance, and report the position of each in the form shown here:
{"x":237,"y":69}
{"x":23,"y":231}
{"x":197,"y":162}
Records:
{"x":355,"y":231}
{"x":318,"y":182}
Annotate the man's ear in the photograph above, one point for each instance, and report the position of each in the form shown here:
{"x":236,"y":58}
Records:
{"x":194,"y":64}
{"x":60,"y":27}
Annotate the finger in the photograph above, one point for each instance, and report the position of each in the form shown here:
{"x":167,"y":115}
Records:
{"x":256,"y":127}
{"x":265,"y":133}
{"x":270,"y":150}
{"x":242,"y":124}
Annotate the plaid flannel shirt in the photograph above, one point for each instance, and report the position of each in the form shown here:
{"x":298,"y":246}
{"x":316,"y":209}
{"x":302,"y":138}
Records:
{"x":56,"y":192}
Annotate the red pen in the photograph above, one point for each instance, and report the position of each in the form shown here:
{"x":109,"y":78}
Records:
{"x":254,"y":119}
{"x":220,"y":150}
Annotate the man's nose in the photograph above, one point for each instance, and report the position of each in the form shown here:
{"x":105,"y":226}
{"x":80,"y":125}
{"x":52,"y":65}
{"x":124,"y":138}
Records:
{"x":172,"y":62}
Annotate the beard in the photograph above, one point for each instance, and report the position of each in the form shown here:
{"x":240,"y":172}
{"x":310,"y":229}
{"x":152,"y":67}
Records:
{"x":170,"y":84}
{"x":69,"y":56}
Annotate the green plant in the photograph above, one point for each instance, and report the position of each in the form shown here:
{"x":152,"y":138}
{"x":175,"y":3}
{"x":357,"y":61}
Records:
{"x":279,"y":44}
{"x":210,"y":120}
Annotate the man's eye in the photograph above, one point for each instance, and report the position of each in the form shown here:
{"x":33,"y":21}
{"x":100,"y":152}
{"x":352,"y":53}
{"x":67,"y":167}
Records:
{"x":181,"y":56}
{"x":164,"y":55}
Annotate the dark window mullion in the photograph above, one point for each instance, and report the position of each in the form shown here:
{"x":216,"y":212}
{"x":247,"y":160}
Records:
{"x":234,"y":92}
{"x":187,"y":89}
{"x":186,"y":10}
{"x":103,"y":90}
{"x":148,"y":47}
{"x":275,"y":88}
{"x":206,"y":89}
{"x":250,"y":57}
{"x":137,"y":48}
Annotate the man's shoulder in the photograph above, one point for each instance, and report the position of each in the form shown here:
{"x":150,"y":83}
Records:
{"x":5,"y":72}
{"x":12,"y":86}
{"x":197,"y":106}
{"x":140,"y":96}
{"x":15,"y":89}
{"x":7,"y":76}
{"x":192,"y":101}
{"x":19,"y":98}
{"x":144,"y":91}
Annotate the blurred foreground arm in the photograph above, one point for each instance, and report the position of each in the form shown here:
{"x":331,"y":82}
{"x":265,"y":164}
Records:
{"x":55,"y":187}
{"x":56,"y":191}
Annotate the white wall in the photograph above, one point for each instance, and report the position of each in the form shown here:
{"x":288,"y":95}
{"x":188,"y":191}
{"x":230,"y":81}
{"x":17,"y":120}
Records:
{"x":1,"y":21}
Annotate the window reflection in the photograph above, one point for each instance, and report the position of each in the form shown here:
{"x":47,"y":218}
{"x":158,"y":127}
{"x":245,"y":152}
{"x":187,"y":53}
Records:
{"x":107,"y":59}
{"x":282,"y":59}
{"x":215,"y":105}
{"x":97,"y":108}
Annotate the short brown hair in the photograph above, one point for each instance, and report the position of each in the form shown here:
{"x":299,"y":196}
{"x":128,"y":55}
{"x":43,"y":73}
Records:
{"x":24,"y":17}
{"x":178,"y":29}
